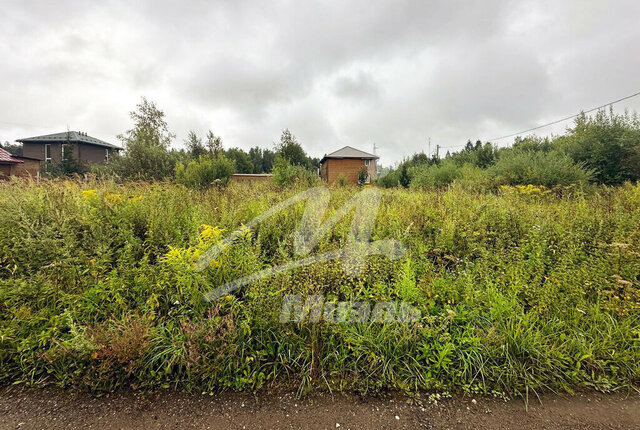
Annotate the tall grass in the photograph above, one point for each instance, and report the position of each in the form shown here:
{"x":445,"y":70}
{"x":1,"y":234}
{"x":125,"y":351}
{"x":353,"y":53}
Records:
{"x":520,"y":289}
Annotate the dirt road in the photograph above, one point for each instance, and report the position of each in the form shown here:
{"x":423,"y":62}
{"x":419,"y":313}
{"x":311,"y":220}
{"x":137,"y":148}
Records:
{"x":50,"y":408}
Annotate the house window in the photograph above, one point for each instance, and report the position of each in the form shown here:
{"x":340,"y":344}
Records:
{"x":62,"y":151}
{"x":106,"y":155}
{"x":47,"y":153}
{"x":367,"y":162}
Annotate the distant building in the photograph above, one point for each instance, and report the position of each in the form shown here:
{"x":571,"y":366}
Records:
{"x":346,"y":163}
{"x":84,"y":149}
{"x":13,"y":165}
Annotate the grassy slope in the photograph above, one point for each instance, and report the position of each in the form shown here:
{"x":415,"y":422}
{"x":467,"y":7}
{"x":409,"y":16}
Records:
{"x":518,"y":290}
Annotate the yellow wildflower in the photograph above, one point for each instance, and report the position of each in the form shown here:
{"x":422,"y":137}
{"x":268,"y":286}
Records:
{"x":89,"y":194}
{"x":209,"y":233}
{"x":113,"y":198}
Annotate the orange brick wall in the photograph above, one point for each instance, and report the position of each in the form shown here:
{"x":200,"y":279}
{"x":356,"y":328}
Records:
{"x":5,"y":170}
{"x":333,"y":168}
{"x":26,"y":169}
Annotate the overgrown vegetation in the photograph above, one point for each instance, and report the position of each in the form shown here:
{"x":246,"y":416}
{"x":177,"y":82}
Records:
{"x":205,"y":171}
{"x":604,"y":149}
{"x":520,"y":289}
{"x":287,"y":174}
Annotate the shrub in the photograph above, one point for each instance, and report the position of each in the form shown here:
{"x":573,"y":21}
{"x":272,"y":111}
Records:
{"x":363,"y":175}
{"x":434,"y":176}
{"x":203,"y":173}
{"x":342,"y":181}
{"x":285,"y":174}
{"x":607,"y":143}
{"x":474,"y":178}
{"x":389,"y":180}
{"x":538,"y":168}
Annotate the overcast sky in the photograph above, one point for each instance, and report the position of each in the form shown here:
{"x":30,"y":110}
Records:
{"x":347,"y":73}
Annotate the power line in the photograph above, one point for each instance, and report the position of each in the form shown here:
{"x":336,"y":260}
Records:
{"x":21,"y":124}
{"x":563,"y":119}
{"x":34,"y":126}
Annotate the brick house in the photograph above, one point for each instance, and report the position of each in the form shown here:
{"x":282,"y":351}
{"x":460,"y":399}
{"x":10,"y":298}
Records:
{"x":13,"y":165}
{"x":84,"y":149}
{"x":346,"y":162}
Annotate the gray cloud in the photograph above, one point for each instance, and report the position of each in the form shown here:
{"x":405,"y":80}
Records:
{"x":347,"y":73}
{"x":358,"y":86}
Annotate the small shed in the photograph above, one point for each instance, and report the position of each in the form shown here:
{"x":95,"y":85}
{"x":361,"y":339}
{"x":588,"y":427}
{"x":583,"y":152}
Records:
{"x":13,"y":165}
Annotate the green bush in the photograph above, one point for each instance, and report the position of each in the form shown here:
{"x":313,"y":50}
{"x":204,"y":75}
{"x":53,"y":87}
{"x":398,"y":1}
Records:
{"x":607,"y":143}
{"x":285,"y":174}
{"x":204,"y":172}
{"x":363,"y":175}
{"x":520,"y":167}
{"x":342,"y":181}
{"x":434,"y":176}
{"x":389,"y":180}
{"x":474,"y":178}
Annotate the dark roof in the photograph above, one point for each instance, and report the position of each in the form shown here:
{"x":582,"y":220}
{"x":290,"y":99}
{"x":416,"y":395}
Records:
{"x":349,"y":152}
{"x":68,"y":136}
{"x":6,"y":157}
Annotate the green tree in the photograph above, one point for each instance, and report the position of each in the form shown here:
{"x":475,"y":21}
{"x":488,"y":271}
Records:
{"x":194,"y":145}
{"x":268,"y":160}
{"x":261,"y":159}
{"x":607,"y":143}
{"x":146,"y":154}
{"x":241,"y":160}
{"x":214,"y":143}
{"x":68,"y":165}
{"x":290,"y":150}
{"x":404,"y":178}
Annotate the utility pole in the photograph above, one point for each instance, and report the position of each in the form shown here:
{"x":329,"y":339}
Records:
{"x":438,"y":152}
{"x":377,"y":165}
{"x":429,"y":146}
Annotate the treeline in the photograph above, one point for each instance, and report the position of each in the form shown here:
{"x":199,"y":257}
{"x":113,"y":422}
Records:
{"x":602,"y":149}
{"x":148,"y":155}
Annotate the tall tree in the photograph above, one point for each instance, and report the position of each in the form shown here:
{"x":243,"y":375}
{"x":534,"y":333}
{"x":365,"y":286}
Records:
{"x":146,"y":145}
{"x":289,"y":149}
{"x":240,"y":159}
{"x":404,"y":178}
{"x":268,"y":159}
{"x":194,"y":145}
{"x":214,"y":143}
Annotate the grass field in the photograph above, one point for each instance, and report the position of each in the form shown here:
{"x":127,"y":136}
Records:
{"x":520,"y":289}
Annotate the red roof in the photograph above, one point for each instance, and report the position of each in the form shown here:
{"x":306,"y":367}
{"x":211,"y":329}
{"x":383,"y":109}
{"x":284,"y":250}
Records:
{"x":6,"y":157}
